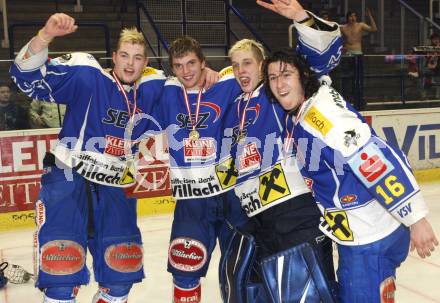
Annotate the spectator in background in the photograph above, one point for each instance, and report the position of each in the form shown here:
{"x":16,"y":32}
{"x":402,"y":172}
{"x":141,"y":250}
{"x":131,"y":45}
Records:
{"x":12,"y":115}
{"x":353,"y":32}
{"x":46,"y":114}
{"x":432,"y":68}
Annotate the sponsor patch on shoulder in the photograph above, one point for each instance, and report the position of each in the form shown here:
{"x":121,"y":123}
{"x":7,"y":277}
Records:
{"x":370,"y":164}
{"x":318,"y":121}
{"x":226,"y":71}
{"x":187,"y":254}
{"x":149,"y":71}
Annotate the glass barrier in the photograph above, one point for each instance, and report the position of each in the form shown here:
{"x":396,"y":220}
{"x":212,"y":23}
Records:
{"x":368,"y":82}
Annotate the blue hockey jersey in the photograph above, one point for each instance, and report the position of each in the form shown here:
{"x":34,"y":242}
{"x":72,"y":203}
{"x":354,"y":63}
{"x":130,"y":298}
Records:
{"x":364,"y":187}
{"x":95,"y":139}
{"x":268,"y":175}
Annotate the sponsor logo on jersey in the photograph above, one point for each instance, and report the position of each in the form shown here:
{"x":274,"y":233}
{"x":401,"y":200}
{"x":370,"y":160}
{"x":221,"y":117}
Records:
{"x":124,"y":257}
{"x":41,"y":213}
{"x":201,"y":150}
{"x":250,"y":202}
{"x":227,"y":173}
{"x":249,"y":159}
{"x":337,"y":225}
{"x":187,"y":254}
{"x":62,"y":257}
{"x":317,"y":120}
{"x":226,"y":71}
{"x":309,"y":182}
{"x":273,"y":185}
{"x":349,"y":200}
{"x":387,"y":290}
{"x":116,"y":146}
{"x":351,"y":138}
{"x":337,"y":98}
{"x":190,"y":188}
{"x":99,"y":171}
{"x":370,"y":165}
{"x":148,"y":71}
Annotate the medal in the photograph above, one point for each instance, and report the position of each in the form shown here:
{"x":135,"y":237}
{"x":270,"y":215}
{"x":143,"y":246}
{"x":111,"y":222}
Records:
{"x":241,"y":138}
{"x":242,"y":117}
{"x":193,"y":134}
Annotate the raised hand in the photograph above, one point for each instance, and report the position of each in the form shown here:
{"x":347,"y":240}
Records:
{"x":290,"y":9}
{"x":58,"y":25}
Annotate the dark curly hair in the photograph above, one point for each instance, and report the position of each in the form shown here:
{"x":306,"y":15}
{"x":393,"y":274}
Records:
{"x":307,"y":77}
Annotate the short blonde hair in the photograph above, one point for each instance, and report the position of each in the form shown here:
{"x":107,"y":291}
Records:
{"x":133,"y":36}
{"x":249,"y":45}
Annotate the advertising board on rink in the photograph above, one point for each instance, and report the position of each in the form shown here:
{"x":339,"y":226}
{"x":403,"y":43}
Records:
{"x":21,"y":166}
{"x":415,"y":131}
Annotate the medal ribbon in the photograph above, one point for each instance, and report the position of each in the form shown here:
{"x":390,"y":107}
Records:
{"x":127,"y":101}
{"x":188,"y":107}
{"x":243,"y":116}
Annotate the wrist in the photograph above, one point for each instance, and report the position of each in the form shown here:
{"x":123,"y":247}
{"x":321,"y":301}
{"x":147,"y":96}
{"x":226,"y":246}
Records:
{"x":45,"y":38}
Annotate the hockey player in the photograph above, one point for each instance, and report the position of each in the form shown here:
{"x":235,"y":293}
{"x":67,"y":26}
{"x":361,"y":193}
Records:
{"x":282,"y":210}
{"x":364,"y":187}
{"x":86,"y":207}
{"x":199,"y":173}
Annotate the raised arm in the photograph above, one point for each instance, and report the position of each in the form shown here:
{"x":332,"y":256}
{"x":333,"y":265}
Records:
{"x":372,"y":27}
{"x":56,"y":26}
{"x":290,"y":9}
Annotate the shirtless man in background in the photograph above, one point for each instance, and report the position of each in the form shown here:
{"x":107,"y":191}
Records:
{"x":352,"y":32}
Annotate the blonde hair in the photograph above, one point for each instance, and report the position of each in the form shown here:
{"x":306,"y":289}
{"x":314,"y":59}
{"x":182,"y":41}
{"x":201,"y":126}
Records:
{"x":133,"y":36}
{"x":249,"y":45}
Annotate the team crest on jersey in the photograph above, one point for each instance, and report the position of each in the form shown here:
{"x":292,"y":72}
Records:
{"x":370,"y":165}
{"x":273,"y":185}
{"x":187,"y":254}
{"x":250,"y":159}
{"x":226,"y":71}
{"x":201,"y":150}
{"x":338,"y":225}
{"x":227,"y":173}
{"x":318,"y":121}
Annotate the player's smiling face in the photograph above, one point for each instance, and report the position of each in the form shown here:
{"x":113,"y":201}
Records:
{"x":188,"y":69}
{"x":247,"y":69}
{"x":285,"y":84}
{"x":129,"y":61}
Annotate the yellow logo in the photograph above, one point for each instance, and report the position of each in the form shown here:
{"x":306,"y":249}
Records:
{"x":226,"y":71}
{"x":128,"y":175}
{"x":338,"y":222}
{"x":227,"y":173}
{"x":317,"y":120}
{"x":273,"y":185}
{"x":148,"y":71}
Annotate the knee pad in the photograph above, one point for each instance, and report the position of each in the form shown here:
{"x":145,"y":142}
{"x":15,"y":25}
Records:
{"x":112,"y":294}
{"x":235,"y":267}
{"x":60,"y":294}
{"x":294,"y":275}
{"x":187,"y":289}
